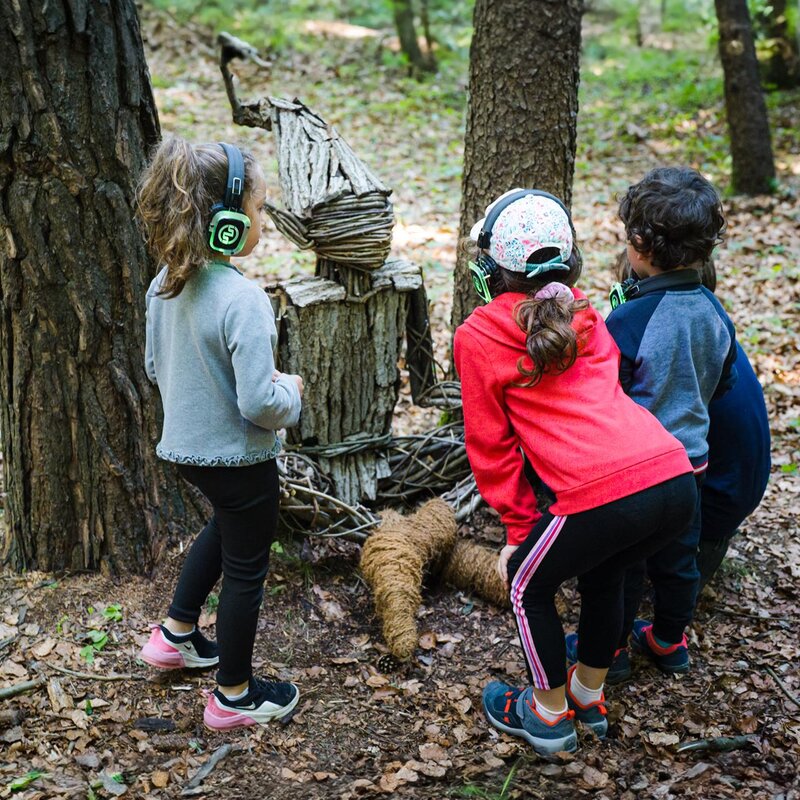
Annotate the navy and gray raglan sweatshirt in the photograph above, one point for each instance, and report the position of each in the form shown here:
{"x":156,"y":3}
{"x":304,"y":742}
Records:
{"x":678,"y":349}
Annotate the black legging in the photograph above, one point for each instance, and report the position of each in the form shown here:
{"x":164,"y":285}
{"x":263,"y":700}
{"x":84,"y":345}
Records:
{"x":235,"y":543}
{"x":597,"y":546}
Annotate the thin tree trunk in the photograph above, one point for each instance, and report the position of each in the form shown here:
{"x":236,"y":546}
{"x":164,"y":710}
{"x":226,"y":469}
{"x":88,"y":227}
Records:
{"x":78,"y":415}
{"x":407,"y":32}
{"x":523,"y":107}
{"x":782,"y":66}
{"x":753,"y":169}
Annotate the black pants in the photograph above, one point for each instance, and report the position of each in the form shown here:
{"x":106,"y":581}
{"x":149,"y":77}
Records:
{"x":673,"y":571}
{"x":598,"y":546}
{"x":236,"y":544}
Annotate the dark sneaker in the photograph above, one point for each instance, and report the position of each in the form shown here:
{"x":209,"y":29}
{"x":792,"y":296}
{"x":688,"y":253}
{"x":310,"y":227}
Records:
{"x":167,"y":650}
{"x":592,"y":715}
{"x":266,"y":699}
{"x":511,"y":710}
{"x":673,"y":659}
{"x":620,"y":669}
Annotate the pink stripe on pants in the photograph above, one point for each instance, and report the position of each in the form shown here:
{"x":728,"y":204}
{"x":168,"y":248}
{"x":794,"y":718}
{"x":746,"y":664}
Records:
{"x":518,"y":586}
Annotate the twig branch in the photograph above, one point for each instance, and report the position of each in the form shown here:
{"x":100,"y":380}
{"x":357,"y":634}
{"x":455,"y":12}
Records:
{"x":20,"y":688}
{"x":718,"y":744}
{"x":205,"y":770}
{"x":786,"y":693}
{"x":85,"y":676}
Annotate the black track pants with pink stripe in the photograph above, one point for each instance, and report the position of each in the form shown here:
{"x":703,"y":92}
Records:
{"x":597,"y":546}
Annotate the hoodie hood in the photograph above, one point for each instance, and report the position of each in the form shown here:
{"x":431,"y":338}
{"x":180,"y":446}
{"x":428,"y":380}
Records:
{"x":496,"y":322}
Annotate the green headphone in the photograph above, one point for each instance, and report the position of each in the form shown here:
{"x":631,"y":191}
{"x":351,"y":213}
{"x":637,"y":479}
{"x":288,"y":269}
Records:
{"x":484,"y":267}
{"x":229,"y":226}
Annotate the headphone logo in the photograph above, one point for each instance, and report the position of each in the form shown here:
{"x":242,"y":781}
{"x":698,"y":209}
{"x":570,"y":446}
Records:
{"x":228,"y":234}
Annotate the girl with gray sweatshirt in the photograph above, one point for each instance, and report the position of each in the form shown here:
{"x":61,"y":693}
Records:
{"x":209,"y":348}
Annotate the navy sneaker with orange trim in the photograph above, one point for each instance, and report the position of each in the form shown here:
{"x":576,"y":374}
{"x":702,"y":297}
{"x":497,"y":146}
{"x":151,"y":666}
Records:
{"x":512,"y":710}
{"x":620,"y":669}
{"x":672,"y":659}
{"x":592,"y":715}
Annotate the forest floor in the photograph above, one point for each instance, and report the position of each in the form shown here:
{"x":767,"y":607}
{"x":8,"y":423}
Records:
{"x":418,"y":731}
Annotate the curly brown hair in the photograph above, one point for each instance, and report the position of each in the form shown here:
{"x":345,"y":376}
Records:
{"x":173,"y":204}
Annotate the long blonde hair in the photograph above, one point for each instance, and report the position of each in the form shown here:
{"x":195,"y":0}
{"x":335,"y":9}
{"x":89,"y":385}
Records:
{"x":173,"y":205}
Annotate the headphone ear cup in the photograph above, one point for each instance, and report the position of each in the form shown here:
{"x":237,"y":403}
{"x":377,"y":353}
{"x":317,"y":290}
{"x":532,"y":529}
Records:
{"x":227,"y":231}
{"x":482,"y":270}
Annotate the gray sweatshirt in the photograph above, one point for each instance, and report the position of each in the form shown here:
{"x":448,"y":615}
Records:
{"x":210,"y":350}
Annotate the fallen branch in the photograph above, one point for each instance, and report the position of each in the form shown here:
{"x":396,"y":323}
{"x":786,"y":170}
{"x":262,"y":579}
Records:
{"x":20,"y":688}
{"x":205,"y":770}
{"x":786,"y":693}
{"x":85,"y":676}
{"x":718,"y":744}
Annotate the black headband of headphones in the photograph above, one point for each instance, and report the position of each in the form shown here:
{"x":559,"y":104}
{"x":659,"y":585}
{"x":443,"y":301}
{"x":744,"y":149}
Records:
{"x":234,"y":188}
{"x":485,"y":236}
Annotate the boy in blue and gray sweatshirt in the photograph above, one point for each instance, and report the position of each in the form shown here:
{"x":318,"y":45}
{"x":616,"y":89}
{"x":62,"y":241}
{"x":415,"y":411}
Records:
{"x":678,"y":349}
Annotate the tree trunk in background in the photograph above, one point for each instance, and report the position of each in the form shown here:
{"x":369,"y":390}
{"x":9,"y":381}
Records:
{"x":753,"y":170}
{"x":782,"y":66}
{"x":78,"y":415}
{"x":523,"y":107}
{"x":407,"y":32}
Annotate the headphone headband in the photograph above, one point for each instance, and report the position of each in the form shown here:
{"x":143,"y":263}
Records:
{"x":234,"y":187}
{"x":485,"y":236}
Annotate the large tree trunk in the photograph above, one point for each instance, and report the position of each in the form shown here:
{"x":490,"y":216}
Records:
{"x":753,"y":170}
{"x":523,"y":106}
{"x":79,"y":417}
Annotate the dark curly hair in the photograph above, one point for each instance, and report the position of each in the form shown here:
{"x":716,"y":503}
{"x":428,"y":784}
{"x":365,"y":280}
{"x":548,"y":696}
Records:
{"x":673,"y":216}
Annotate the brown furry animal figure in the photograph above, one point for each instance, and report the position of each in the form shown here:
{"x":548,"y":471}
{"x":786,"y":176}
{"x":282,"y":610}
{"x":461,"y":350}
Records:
{"x":472,"y":568}
{"x":393,"y":560}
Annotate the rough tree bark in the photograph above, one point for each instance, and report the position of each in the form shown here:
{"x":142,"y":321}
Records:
{"x":346,"y":348}
{"x":753,"y":168}
{"x":523,"y":107}
{"x":78,"y":415}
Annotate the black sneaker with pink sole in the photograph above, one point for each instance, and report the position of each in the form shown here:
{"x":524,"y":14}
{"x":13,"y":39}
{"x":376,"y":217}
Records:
{"x":167,"y":650}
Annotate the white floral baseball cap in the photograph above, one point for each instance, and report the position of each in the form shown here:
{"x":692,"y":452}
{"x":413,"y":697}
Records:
{"x":531,"y":223}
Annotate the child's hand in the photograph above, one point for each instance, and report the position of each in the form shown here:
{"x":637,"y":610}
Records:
{"x":502,"y":562}
{"x":296,"y":378}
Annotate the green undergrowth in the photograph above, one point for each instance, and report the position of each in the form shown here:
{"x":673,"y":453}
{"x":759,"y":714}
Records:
{"x":665,"y":93}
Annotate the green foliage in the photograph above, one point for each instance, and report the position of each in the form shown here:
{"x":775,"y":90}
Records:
{"x":113,"y":613}
{"x":473,"y":790}
{"x":18,"y":784}
{"x":97,"y":641}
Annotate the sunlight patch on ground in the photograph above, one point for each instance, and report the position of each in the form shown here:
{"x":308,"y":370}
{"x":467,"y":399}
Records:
{"x":414,"y":234}
{"x":344,"y":30}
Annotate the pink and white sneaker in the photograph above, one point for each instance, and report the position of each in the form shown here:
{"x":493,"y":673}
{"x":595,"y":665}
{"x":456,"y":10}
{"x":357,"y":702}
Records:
{"x":266,"y":699}
{"x":167,"y":650}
